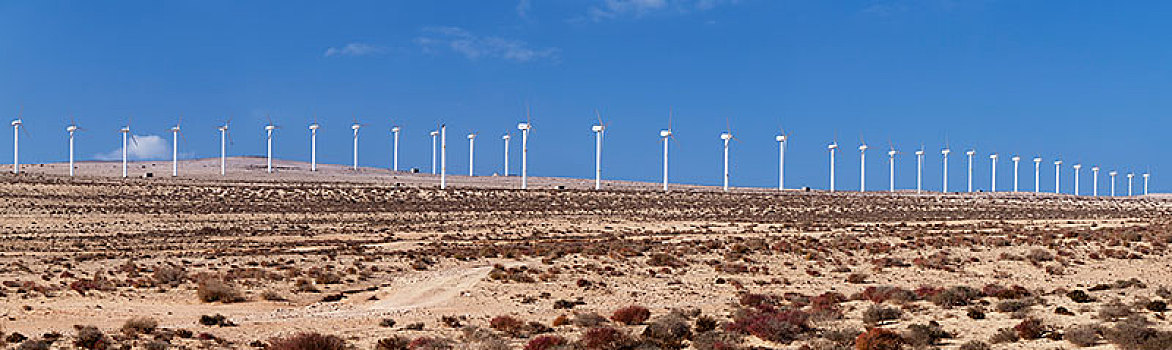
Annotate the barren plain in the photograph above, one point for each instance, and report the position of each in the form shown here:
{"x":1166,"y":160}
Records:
{"x":375,"y":259}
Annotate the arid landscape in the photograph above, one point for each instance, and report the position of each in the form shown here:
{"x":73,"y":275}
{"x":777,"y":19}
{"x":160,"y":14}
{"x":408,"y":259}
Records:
{"x":379,"y":260}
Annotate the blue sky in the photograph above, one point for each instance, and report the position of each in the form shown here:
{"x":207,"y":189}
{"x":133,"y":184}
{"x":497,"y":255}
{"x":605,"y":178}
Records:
{"x":1084,"y":81}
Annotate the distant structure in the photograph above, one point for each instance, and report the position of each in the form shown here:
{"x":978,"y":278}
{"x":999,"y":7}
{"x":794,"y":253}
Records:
{"x":471,"y":153}
{"x":1016,"y":167}
{"x":395,"y":150}
{"x":598,"y":129}
{"x":1037,"y":175}
{"x":945,"y":153}
{"x":726,"y":137}
{"x":1095,"y":176}
{"x":781,"y":143}
{"x":862,"y":165}
{"x":223,"y":146}
{"x":1112,"y":174}
{"x":525,"y":128}
{"x":313,"y":144}
{"x":1058,"y":176}
{"x":17,"y":126}
{"x":126,"y":136}
{"x":920,"y":170}
{"x":506,"y":137}
{"x":993,"y":179}
{"x":434,"y":134}
{"x":970,"y":153}
{"x":833,"y":147}
{"x":71,"y":129}
{"x":1077,"y":171}
{"x":1146,"y":177}
{"x":269,"y":141}
{"x":355,"y":126}
{"x":443,"y":130}
{"x":175,"y":133}
{"x":891,"y":167}
{"x":1130,"y":177}
{"x":665,"y":134}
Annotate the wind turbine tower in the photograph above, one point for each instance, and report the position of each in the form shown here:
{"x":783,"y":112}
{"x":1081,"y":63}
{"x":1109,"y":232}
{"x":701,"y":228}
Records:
{"x":1077,"y":171}
{"x":833,"y":148}
{"x":945,"y":153}
{"x":726,"y":137}
{"x":1058,"y":176}
{"x":269,"y":141}
{"x":16,"y":125}
{"x":781,"y":143}
{"x":598,"y":129}
{"x":1095,"y":178}
{"x":1147,"y":176}
{"x":1037,"y":175}
{"x":1016,"y":166}
{"x":125,"y":135}
{"x":506,"y":137}
{"x":1112,"y":174}
{"x":223,"y":146}
{"x":525,"y":128}
{"x":862,"y":166}
{"x":72,"y":128}
{"x":891,"y":169}
{"x":313,"y":144}
{"x":395,"y":156}
{"x":970,"y":153}
{"x":175,"y":147}
{"x":355,"y":126}
{"x":443,"y":156}
{"x":993,"y":181}
{"x":920,"y":170}
{"x":666,"y":135}
{"x":1130,"y":177}
{"x":434,"y":134}
{"x":471,"y":152}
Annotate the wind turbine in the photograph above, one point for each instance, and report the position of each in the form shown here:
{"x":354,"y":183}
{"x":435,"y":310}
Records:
{"x":971,"y":153}
{"x":782,"y":139}
{"x":945,"y":153}
{"x":993,"y":182}
{"x":920,"y":170}
{"x":833,"y":147}
{"x":862,"y":164}
{"x":125,"y":136}
{"x":598,"y":129}
{"x":506,"y":137}
{"x":1095,"y":186}
{"x":72,"y":128}
{"x":525,"y":128}
{"x":471,"y":152}
{"x":1130,"y":177}
{"x":666,"y":134}
{"x":1077,"y":170}
{"x":434,"y":134}
{"x":1112,"y":174}
{"x":395,"y":156}
{"x":175,"y":134}
{"x":223,"y":145}
{"x":1037,"y":174}
{"x":313,"y":143}
{"x":1016,"y":166}
{"x":356,"y":126}
{"x":1058,"y":176}
{"x":443,"y":156}
{"x":891,"y":167}
{"x":17,"y":126}
{"x":269,"y":141}
{"x":1147,"y":176}
{"x":727,"y":137}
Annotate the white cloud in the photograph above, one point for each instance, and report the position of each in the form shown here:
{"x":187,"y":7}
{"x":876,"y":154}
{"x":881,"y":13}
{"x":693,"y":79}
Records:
{"x":474,"y":46}
{"x":146,"y":147}
{"x":610,"y":9}
{"x":353,"y":49}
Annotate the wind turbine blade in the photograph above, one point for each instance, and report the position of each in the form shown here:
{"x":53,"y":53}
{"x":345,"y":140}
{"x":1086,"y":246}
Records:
{"x":599,"y":117}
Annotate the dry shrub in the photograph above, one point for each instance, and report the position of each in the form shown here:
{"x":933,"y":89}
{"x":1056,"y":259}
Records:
{"x":665,"y":260}
{"x":430,"y":343}
{"x":170,"y":275}
{"x":605,"y":338}
{"x":307,"y":341}
{"x":779,"y":326}
{"x":1079,"y":296}
{"x":1014,"y":305}
{"x":588,"y":319}
{"x":1083,"y":335}
{"x":877,"y":314}
{"x":272,"y":295}
{"x":975,"y":345}
{"x":631,"y":315}
{"x":879,"y":294}
{"x":545,"y":342}
{"x":714,"y":340}
{"x":1135,"y":333}
{"x":1004,"y":335}
{"x":705,"y":323}
{"x":213,"y":290}
{"x":395,"y":342}
{"x":1030,"y":328}
{"x":139,"y":325}
{"x":668,"y":331}
{"x":561,"y":320}
{"x":90,"y":337}
{"x":1156,"y":306}
{"x":879,"y":339}
{"x":508,"y":325}
{"x":1114,"y":310}
{"x":919,"y":335}
{"x":955,"y":296}
{"x":34,"y":345}
{"x":976,"y":312}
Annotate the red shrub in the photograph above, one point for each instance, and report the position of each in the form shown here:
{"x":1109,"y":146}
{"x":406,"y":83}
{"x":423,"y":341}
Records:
{"x":997,"y":291}
{"x":631,"y":315}
{"x":508,"y":325}
{"x":879,"y":339}
{"x":429,"y":343}
{"x":307,"y":341}
{"x":604,"y":338}
{"x":884,"y":293}
{"x":927,"y":292}
{"x":781,"y":326}
{"x":827,"y":301}
{"x":758,"y":300}
{"x":1030,"y":328}
{"x":545,"y":342}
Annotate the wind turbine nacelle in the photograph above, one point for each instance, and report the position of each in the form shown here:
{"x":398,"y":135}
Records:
{"x":863,"y":148}
{"x":1077,"y":166}
{"x":780,"y":138}
{"x":993,"y":156}
{"x":175,"y":129}
{"x":523,"y":126}
{"x":434,"y":133}
{"x":1095,"y":169}
{"x":124,"y":130}
{"x":597,"y":128}
{"x":505,"y":137}
{"x":314,"y":126}
{"x":395,"y":129}
{"x":832,"y":146}
{"x":725,"y":136}
{"x":919,"y":153}
{"x":71,"y":128}
{"x":945,"y":151}
{"x":1058,"y":162}
{"x":971,"y":153}
{"x":891,"y":153}
{"x":355,"y":126}
{"x":664,"y":133}
{"x":16,"y":122}
{"x":1037,"y":160}
{"x":1113,"y":173}
{"x":270,"y":127}
{"x":471,"y":136}
{"x":1016,"y":159}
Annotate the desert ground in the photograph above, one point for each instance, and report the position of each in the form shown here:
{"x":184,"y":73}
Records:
{"x":373,"y":259}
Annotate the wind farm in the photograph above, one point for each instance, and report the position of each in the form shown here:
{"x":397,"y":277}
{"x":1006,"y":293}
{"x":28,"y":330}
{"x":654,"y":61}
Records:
{"x":668,"y":175}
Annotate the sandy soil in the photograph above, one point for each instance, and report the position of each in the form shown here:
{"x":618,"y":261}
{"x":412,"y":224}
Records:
{"x":338,"y":252}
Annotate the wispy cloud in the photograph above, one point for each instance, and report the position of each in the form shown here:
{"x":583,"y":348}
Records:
{"x":610,"y":9}
{"x":146,"y":147}
{"x":354,"y":49}
{"x":523,"y":7}
{"x":474,"y":46}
